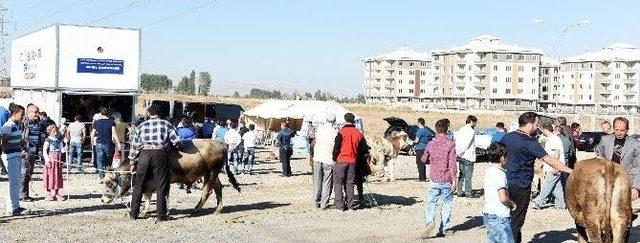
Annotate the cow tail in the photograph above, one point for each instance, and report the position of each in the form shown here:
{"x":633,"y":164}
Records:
{"x":232,"y":177}
{"x":609,"y":178}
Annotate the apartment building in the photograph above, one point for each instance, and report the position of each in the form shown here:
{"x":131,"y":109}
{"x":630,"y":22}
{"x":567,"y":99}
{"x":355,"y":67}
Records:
{"x":602,"y":82}
{"x":549,"y":84}
{"x":401,"y":75}
{"x":487,"y":74}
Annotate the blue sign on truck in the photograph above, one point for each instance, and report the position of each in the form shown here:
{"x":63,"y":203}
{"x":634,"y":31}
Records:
{"x":92,"y":65}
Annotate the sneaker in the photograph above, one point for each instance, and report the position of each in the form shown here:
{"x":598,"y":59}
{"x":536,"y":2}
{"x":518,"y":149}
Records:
{"x":427,"y":230}
{"x":49,"y":198}
{"x":536,"y":206}
{"x":27,"y":199}
{"x":60,"y":198}
{"x":18,"y":212}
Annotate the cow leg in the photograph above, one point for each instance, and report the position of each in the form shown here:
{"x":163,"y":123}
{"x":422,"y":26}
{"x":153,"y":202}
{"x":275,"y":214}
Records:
{"x":206,"y":192}
{"x":620,"y":211}
{"x":392,"y":168}
{"x":217,"y":187}
{"x":594,"y":232}
{"x":145,"y":208}
{"x":582,"y":233}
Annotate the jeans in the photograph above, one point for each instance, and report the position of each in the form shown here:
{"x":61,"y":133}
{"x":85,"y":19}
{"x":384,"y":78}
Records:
{"x":13,"y":163}
{"x":465,"y":176}
{"x":344,"y":175}
{"x":322,"y":183}
{"x":247,"y":158}
{"x":439,"y":191}
{"x":235,"y":155}
{"x":422,"y":168}
{"x":75,"y":149}
{"x":552,"y":185}
{"x":27,"y":173}
{"x":522,"y":197}
{"x":498,"y":229}
{"x":104,"y":157}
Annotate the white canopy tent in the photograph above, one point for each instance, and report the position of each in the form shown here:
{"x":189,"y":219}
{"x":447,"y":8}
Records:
{"x":269,"y":115}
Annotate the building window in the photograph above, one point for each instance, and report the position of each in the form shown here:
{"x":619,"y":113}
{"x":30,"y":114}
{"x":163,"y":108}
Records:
{"x":533,"y":80}
{"x":410,"y":81}
{"x":590,"y":65}
{"x":533,"y":69}
{"x":508,"y":80}
{"x":422,"y":91}
{"x":495,"y":79}
{"x":520,"y":69}
{"x":519,"y":91}
{"x":520,"y":80}
{"x":509,"y":56}
{"x":495,"y":67}
{"x":437,"y":67}
{"x":508,"y":68}
{"x":436,"y":58}
{"x":436,"y":78}
{"x":617,"y":76}
{"x":505,"y":102}
{"x":581,"y":65}
{"x":400,"y":81}
{"x":508,"y":91}
{"x":518,"y":102}
{"x":421,"y":81}
{"x":617,"y":65}
{"x":400,"y":72}
{"x":534,"y":57}
{"x":410,"y":72}
{"x":411,"y":64}
{"x":495,"y":91}
{"x":410,"y":91}
{"x":423,"y":64}
{"x":424,"y":73}
{"x":617,"y":86}
{"x":399,"y":63}
{"x":520,"y":57}
{"x":399,"y":90}
{"x":493,"y":102}
{"x":495,"y":56}
{"x":533,"y":91}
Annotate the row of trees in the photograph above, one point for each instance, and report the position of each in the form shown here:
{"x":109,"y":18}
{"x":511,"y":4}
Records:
{"x":318,"y":95}
{"x":159,"y":83}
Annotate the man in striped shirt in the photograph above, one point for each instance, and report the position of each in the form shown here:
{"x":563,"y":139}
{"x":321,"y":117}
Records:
{"x":31,"y":135}
{"x":12,"y":145}
{"x":148,"y":156}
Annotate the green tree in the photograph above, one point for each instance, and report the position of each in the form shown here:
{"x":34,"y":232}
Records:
{"x":186,"y":86}
{"x":317,"y":95}
{"x":236,"y":94}
{"x":204,"y":79}
{"x":155,"y":82}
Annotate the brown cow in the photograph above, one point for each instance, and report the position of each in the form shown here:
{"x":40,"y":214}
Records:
{"x":384,"y":152}
{"x":202,"y":158}
{"x":599,"y":199}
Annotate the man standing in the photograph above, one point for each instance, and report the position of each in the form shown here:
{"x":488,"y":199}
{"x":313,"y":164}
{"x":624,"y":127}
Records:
{"x":12,"y":144}
{"x":423,"y":136}
{"x":220,"y":132}
{"x":522,"y":151}
{"x":121,"y":130}
{"x":323,"y":162}
{"x":349,"y":143}
{"x":605,"y":127}
{"x":249,"y":140}
{"x":311,"y":140}
{"x":149,"y":157}
{"x":4,"y":117}
{"x":76,"y":134}
{"x":286,"y":148}
{"x":31,"y":135}
{"x":104,"y":131}
{"x":552,"y":179}
{"x":624,"y":150}
{"x":466,"y":155}
{"x":233,"y":139}
{"x":497,"y":132}
{"x":207,"y":128}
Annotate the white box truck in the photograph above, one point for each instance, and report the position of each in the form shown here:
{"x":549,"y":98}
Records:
{"x":70,"y":70}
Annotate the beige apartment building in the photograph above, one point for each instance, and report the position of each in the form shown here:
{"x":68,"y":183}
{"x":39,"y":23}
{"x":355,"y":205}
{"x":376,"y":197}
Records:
{"x":602,"y":82}
{"x":401,"y":75}
{"x":549,"y":84}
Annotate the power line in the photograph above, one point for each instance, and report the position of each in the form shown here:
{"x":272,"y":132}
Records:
{"x":180,"y":14}
{"x":66,"y":8}
{"x":131,"y":5}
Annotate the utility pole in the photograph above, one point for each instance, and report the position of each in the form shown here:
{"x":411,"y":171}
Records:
{"x":3,"y":42}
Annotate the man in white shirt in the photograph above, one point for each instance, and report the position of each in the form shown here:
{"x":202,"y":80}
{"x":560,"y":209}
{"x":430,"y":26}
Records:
{"x":249,"y":139}
{"x":233,"y":139}
{"x":323,"y":162}
{"x":466,"y":156}
{"x":552,"y":185}
{"x":76,"y":132}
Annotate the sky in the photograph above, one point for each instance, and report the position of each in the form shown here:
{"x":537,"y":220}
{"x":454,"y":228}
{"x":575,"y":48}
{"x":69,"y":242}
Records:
{"x":308,"y":45}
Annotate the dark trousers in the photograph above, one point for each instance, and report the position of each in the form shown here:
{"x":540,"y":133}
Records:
{"x":465,"y":176}
{"x":522,"y":197}
{"x":27,"y":173}
{"x":422,"y":168}
{"x":285,"y":160}
{"x":153,"y":163}
{"x":343,"y":181}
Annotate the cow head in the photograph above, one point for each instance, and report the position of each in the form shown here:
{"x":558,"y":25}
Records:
{"x":117,"y":183}
{"x":400,"y":140}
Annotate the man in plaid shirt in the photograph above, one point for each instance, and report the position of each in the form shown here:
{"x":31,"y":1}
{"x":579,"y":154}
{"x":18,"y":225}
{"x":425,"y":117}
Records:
{"x":149,"y":155}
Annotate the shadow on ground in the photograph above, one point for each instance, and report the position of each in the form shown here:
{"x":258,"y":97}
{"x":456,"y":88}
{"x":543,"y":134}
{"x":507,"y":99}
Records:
{"x":393,"y":200}
{"x":471,"y":223}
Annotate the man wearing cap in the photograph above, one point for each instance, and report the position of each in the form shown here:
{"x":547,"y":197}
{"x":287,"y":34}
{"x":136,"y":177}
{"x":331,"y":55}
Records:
{"x":323,"y":162}
{"x":149,"y":157}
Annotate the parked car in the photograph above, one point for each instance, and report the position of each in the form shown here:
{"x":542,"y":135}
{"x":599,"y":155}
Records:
{"x":587,"y":141}
{"x":398,"y":124}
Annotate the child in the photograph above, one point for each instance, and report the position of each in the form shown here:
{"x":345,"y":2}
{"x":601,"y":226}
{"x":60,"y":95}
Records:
{"x":497,"y":204}
{"x":52,"y":151}
{"x":441,"y":154}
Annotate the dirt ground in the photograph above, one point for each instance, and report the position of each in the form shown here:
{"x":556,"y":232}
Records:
{"x":269,"y":209}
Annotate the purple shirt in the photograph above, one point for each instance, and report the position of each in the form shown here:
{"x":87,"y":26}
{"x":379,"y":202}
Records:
{"x":441,"y":154}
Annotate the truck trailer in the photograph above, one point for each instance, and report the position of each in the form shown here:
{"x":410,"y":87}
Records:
{"x":70,"y":70}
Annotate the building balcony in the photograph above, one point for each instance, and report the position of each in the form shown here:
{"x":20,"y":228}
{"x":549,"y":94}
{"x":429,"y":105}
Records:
{"x":389,"y":86}
{"x":604,"y":102}
{"x":480,"y":73}
{"x":390,"y":78}
{"x":460,"y":84}
{"x":629,"y":92}
{"x":630,"y":81}
{"x":460,"y":62}
{"x":630,"y":70}
{"x":605,"y":70}
{"x":480,"y":84}
{"x":460,"y":73}
{"x":606,"y":81}
{"x":605,"y":92}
